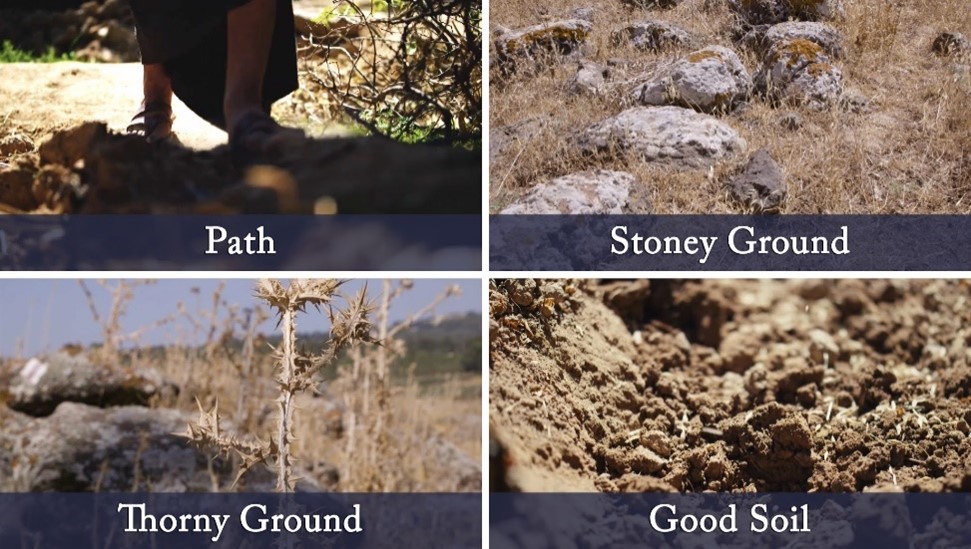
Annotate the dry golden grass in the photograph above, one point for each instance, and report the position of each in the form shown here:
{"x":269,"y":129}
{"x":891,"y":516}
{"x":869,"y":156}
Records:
{"x":375,"y":424}
{"x":909,"y":154}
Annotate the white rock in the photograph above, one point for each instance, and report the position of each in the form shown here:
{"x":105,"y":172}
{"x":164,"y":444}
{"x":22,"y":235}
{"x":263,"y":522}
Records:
{"x":822,"y":34}
{"x":673,"y":134}
{"x":596,"y":192}
{"x":589,"y":79}
{"x":710,"y":79}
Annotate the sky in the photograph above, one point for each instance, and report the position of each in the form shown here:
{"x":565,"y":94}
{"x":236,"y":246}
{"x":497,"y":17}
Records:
{"x":42,"y":315}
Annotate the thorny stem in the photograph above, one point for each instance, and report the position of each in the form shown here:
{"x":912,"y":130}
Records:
{"x":284,"y":482}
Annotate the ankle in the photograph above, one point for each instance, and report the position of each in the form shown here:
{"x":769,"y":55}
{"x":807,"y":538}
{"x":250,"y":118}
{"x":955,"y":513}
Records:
{"x":235,"y":113}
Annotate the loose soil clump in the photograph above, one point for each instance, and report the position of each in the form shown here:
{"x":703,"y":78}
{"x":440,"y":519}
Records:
{"x":89,"y":169}
{"x":731,"y":385}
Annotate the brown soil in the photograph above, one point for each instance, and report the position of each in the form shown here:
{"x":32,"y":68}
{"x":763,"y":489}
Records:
{"x":731,"y":385}
{"x":63,"y":148}
{"x":89,"y":169}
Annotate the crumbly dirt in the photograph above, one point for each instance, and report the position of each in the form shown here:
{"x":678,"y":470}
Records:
{"x":731,"y":385}
{"x":92,"y":170}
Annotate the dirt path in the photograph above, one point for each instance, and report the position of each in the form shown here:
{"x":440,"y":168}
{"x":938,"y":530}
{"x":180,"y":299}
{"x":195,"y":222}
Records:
{"x":40,"y":98}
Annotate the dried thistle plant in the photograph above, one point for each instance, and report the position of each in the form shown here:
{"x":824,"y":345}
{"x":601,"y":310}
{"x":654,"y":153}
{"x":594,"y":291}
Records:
{"x":295,"y":372}
{"x":112,"y":336}
{"x":374,"y":437}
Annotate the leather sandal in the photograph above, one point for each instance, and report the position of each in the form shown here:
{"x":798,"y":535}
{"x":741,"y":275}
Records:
{"x":153,"y":122}
{"x":256,"y":135}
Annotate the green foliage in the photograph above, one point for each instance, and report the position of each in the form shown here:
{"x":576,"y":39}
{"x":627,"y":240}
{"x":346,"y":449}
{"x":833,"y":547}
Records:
{"x":11,"y":54}
{"x":347,"y":8}
{"x":332,"y":13}
{"x":383,"y":5}
{"x":386,"y":121}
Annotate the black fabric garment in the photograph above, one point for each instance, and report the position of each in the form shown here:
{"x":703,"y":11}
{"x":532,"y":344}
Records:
{"x":189,"y":38}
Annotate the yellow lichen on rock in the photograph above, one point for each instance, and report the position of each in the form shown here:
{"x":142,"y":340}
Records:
{"x":701,"y":55}
{"x":796,"y":50}
{"x":557,"y":37}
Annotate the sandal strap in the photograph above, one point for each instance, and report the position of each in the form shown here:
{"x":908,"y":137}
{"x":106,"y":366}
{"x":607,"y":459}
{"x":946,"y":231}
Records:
{"x":251,"y":135}
{"x":153,"y":121}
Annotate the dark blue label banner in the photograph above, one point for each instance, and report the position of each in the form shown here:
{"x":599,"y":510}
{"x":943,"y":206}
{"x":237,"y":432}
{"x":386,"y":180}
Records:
{"x":535,"y":521}
{"x":241,"y":243}
{"x":729,"y":243}
{"x":82,"y":521}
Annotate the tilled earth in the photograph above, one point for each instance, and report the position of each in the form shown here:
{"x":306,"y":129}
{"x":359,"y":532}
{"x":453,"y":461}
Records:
{"x":731,"y":385}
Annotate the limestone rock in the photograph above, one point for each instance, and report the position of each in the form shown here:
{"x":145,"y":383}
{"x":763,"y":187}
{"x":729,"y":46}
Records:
{"x":761,"y":12}
{"x":673,"y":134}
{"x":761,"y":186}
{"x":534,"y":42}
{"x":652,"y":35}
{"x":589,"y":79}
{"x":651,"y":4}
{"x":595,"y":192}
{"x":13,"y":428}
{"x":82,"y":448}
{"x":711,"y":79}
{"x":799,"y":71}
{"x":41,"y":384}
{"x":824,"y":35}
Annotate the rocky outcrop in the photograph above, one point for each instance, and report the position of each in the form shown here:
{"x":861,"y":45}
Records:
{"x":680,"y":136}
{"x":42,"y":383}
{"x":593,"y":192}
{"x":708,"y":80}
{"x":69,"y":424}
{"x":129,"y":448}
